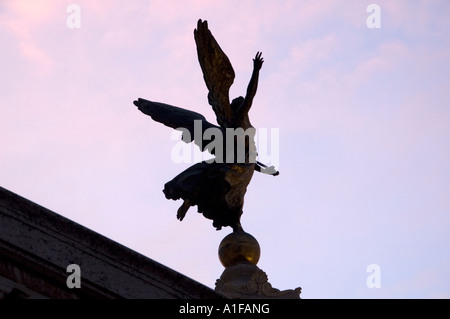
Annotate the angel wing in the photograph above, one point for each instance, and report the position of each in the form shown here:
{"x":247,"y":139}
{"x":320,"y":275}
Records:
{"x":217,"y":71}
{"x":178,"y":118}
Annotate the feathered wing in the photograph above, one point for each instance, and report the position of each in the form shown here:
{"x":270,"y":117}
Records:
{"x":177,"y":118}
{"x":217,"y":72}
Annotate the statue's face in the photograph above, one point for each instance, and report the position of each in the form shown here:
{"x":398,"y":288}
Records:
{"x":237,"y":102}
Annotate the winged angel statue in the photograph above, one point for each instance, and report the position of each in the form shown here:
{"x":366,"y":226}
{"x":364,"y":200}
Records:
{"x":216,"y":186}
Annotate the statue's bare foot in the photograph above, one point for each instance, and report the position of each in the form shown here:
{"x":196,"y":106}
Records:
{"x":183,"y":209}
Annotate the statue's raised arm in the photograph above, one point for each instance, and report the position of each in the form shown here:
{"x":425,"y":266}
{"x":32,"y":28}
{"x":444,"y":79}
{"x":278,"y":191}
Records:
{"x":253,"y":85}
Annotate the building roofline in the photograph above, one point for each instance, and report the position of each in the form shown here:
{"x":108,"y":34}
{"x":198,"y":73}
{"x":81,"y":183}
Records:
{"x":41,"y":244}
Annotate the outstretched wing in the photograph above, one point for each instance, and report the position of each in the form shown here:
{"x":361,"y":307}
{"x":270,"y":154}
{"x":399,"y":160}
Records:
{"x":217,"y":72}
{"x":179,"y":119}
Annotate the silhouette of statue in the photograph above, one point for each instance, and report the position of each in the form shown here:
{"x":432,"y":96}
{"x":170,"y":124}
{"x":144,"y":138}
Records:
{"x":217,"y":187}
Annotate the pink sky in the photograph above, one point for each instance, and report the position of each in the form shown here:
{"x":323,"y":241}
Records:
{"x":362,"y":113}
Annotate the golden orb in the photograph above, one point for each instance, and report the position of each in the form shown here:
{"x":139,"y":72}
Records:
{"x":239,"y":247}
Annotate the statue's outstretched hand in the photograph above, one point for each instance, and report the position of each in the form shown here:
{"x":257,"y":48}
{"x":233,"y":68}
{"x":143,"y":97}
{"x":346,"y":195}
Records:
{"x":258,"y":61}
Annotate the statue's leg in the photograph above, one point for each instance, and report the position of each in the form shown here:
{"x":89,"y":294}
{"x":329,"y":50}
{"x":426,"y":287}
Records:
{"x":183,"y":209}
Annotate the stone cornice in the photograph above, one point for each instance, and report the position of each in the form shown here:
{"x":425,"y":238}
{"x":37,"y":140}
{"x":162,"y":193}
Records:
{"x":37,"y":245}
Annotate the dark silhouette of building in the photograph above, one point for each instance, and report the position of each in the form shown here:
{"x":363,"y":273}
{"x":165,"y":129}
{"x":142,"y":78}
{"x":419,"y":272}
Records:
{"x":37,"y":246}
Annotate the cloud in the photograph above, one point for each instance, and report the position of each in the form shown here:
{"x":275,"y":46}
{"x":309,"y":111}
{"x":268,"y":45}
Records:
{"x":26,"y":22}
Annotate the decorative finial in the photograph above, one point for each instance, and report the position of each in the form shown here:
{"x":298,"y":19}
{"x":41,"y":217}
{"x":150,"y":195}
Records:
{"x":239,"y":247}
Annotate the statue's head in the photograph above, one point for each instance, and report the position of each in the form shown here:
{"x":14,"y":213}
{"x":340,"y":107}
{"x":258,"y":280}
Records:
{"x":236,"y":103}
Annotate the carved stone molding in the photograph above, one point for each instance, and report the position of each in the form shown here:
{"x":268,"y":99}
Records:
{"x":248,"y":281}
{"x":37,"y":245}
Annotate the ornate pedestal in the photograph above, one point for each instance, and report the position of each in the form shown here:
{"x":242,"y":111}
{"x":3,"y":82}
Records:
{"x":239,"y":253}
